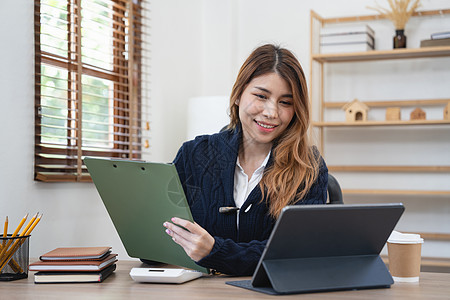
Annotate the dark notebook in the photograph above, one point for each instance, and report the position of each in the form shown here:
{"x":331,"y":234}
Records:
{"x":73,"y":277}
{"x":315,"y":248}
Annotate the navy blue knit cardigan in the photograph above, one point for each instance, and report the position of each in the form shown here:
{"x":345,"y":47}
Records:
{"x":206,"y":168}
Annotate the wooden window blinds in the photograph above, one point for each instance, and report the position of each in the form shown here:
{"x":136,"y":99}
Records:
{"x":91,"y":94}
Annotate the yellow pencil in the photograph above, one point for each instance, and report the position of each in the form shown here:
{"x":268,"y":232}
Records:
{"x":20,"y":225}
{"x":29,"y":224}
{"x":12,"y":263}
{"x":34,"y":225}
{"x":13,"y":235}
{"x":5,"y":231}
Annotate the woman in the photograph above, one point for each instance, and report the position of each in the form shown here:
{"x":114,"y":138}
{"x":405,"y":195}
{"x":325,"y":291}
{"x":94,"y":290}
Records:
{"x":238,"y":181}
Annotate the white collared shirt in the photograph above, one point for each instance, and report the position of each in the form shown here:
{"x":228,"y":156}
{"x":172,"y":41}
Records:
{"x":242,"y":185}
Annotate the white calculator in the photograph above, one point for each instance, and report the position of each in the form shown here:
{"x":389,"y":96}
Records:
{"x":161,"y":275}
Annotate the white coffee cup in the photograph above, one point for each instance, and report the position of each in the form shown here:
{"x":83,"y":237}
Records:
{"x":404,"y":251}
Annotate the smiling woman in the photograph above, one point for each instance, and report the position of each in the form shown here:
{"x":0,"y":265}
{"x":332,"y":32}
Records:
{"x":238,"y":181}
{"x":296,"y":162}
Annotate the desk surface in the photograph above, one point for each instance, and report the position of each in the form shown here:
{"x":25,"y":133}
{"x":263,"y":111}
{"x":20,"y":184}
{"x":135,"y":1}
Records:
{"x":120,"y":286}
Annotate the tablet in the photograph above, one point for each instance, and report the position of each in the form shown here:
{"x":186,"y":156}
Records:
{"x":315,"y":248}
{"x":139,"y":197}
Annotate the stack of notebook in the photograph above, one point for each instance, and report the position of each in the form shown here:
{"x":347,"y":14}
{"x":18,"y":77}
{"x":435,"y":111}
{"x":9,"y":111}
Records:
{"x":338,"y":39}
{"x":74,"y":264}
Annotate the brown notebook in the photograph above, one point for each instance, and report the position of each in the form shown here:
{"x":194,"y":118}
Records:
{"x":77,"y":253}
{"x":73,"y":265}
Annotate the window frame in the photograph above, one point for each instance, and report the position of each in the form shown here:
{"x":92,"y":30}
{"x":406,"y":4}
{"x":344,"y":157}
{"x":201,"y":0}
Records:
{"x":127,"y":96}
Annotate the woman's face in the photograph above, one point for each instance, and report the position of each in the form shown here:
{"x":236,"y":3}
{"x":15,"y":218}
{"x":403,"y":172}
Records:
{"x":265,"y":108}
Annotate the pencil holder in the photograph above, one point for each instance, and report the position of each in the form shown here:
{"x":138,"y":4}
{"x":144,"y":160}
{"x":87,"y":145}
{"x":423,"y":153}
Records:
{"x":14,"y":257}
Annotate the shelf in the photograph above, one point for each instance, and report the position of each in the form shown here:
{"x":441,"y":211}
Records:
{"x":441,"y":262}
{"x":395,"y":192}
{"x":435,"y":262}
{"x":381,"y":123}
{"x":433,"y":236}
{"x":420,"y":13}
{"x":425,"y":52}
{"x":414,"y":169}
{"x":62,"y":177}
{"x":391,"y":103}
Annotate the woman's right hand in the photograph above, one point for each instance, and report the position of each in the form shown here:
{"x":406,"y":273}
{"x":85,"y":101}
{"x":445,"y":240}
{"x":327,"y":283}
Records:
{"x":195,"y":240}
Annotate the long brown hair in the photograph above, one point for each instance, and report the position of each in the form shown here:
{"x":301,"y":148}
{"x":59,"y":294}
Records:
{"x":295,"y":165}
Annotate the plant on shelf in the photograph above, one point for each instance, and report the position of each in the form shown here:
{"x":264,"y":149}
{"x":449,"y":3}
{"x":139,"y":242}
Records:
{"x":399,"y":13}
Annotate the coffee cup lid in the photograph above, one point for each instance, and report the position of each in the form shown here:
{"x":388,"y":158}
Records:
{"x":404,"y":238}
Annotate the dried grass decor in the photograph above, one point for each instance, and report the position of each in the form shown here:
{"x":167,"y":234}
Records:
{"x":400,"y":12}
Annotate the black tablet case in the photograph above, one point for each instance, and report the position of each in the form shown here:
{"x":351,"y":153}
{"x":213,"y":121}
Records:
{"x":317,"y":248}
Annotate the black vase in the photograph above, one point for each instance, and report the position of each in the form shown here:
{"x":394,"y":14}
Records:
{"x":399,"y":39}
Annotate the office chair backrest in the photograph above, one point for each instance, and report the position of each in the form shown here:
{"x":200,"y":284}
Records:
{"x":334,"y":191}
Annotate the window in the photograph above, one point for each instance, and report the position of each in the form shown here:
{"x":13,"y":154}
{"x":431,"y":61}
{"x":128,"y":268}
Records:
{"x":90,"y":84}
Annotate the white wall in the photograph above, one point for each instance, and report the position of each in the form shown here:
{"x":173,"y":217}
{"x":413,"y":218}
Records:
{"x":176,"y":71}
{"x":197,"y":47}
{"x":73,"y":212}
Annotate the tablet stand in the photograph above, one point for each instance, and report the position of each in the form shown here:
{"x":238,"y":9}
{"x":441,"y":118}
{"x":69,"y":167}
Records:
{"x":305,"y":275}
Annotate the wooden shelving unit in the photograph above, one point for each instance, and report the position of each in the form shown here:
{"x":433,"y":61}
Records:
{"x":376,"y":55}
{"x":317,"y":86}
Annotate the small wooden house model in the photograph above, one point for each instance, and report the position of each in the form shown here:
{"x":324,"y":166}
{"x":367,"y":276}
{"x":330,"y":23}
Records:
{"x":447,"y":112}
{"x":418,"y":114}
{"x":393,"y":114}
{"x":355,"y":111}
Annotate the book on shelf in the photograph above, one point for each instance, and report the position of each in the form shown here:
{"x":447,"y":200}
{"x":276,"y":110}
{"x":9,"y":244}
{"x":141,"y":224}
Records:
{"x":76,"y":253}
{"x":363,"y":37}
{"x":341,"y":30}
{"x":73,"y":277}
{"x":440,"y":35}
{"x":345,"y":48}
{"x":73,"y":265}
{"x":435,"y":42}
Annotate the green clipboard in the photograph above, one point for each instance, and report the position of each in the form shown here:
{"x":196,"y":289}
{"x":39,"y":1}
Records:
{"x":139,"y":197}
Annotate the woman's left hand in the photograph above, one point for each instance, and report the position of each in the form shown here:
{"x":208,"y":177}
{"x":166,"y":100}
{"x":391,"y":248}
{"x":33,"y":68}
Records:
{"x":196,"y":241}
